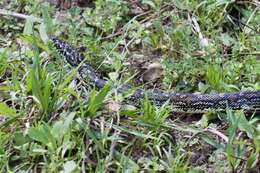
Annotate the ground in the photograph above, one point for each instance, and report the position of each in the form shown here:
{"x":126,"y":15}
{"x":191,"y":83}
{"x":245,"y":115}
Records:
{"x":53,"y":121}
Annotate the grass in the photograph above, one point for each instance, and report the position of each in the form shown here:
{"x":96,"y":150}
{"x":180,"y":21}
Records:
{"x":51,"y":122}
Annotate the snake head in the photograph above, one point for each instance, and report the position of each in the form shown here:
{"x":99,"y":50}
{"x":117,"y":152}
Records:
{"x":73,"y":57}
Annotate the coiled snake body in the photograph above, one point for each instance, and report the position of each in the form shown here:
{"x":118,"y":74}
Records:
{"x":246,"y":100}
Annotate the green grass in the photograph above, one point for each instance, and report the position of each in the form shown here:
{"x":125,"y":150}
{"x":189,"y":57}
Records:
{"x":50,"y":122}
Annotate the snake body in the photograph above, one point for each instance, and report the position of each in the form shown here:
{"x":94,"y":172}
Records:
{"x":187,"y":102}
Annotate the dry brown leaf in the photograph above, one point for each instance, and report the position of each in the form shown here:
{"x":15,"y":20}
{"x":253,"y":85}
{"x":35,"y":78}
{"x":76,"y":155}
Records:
{"x":198,"y":53}
{"x":153,"y":72}
{"x":112,"y":106}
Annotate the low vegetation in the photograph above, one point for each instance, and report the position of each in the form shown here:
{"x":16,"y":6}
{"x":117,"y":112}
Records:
{"x":52,"y":121}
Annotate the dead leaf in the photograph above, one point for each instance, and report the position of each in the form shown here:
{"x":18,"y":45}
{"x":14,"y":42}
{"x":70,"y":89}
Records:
{"x":153,"y":72}
{"x":198,"y":53}
{"x":112,"y":106}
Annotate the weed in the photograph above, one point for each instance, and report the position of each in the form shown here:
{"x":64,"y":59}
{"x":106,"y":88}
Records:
{"x":51,"y":121}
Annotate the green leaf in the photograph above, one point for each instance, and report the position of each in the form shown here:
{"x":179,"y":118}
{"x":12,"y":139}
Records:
{"x":153,"y":116}
{"x":214,"y":77}
{"x":203,"y":87}
{"x":42,"y":134}
{"x":62,"y":124}
{"x":96,"y":100}
{"x":69,"y":78}
{"x":244,"y":125}
{"x":96,"y":140}
{"x":43,"y":33}
{"x":38,"y":134}
{"x":28,"y":27}
{"x":206,"y":117}
{"x":226,"y":39}
{"x":134,"y":132}
{"x":5,"y":110}
{"x":47,"y":19}
{"x":20,"y":139}
{"x":230,"y":154}
{"x":35,"y":40}
{"x":252,"y":160}
{"x":210,"y":141}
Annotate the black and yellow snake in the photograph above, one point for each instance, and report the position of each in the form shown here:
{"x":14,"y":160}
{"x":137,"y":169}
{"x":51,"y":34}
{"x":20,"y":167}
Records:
{"x":246,"y":100}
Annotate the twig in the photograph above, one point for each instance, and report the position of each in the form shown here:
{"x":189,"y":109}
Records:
{"x":218,"y":133}
{"x":122,"y":30}
{"x":242,"y":23}
{"x":204,"y":42}
{"x":142,"y":22}
{"x":4,"y":12}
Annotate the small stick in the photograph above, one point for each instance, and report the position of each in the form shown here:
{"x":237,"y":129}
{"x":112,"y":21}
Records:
{"x":4,"y":12}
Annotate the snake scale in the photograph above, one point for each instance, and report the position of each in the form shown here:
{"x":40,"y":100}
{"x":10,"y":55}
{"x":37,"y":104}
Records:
{"x":183,"y":102}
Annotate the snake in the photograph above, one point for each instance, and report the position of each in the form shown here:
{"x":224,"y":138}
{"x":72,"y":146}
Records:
{"x":181,"y":102}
